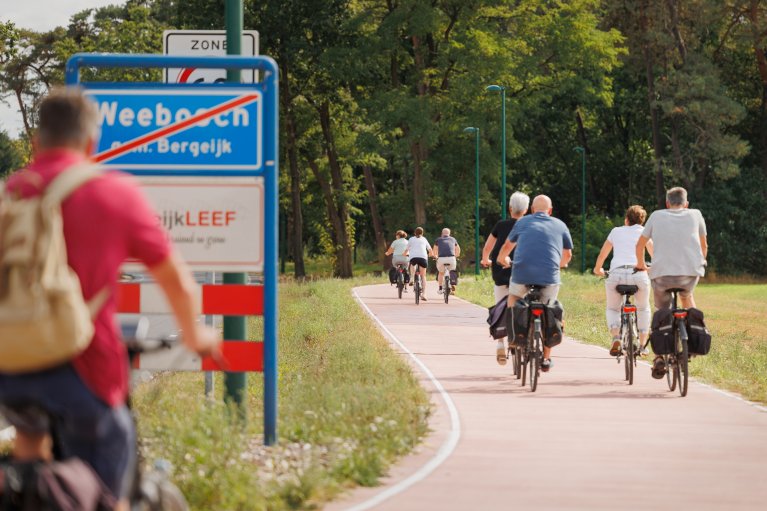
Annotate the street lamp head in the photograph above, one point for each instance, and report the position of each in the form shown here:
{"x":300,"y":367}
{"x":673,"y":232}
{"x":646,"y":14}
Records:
{"x":495,"y":88}
{"x":579,"y":149}
{"x":470,"y":129}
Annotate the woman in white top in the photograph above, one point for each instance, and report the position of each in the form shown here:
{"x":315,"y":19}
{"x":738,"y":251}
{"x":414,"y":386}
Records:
{"x":398,"y":249}
{"x":419,"y":251}
{"x":622,"y":242}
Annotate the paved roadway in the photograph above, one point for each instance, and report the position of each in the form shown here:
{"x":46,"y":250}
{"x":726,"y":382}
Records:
{"x":584,"y":441}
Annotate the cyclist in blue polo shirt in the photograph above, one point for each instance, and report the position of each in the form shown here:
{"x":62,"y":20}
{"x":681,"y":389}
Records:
{"x":543,"y":245}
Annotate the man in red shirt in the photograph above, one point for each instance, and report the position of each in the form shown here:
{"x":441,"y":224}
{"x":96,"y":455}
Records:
{"x":106,"y":221}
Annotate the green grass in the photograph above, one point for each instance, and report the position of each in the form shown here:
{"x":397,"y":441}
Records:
{"x":735,"y":315}
{"x":348,"y":407}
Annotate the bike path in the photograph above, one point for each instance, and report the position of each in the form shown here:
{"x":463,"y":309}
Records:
{"x":585,"y":440}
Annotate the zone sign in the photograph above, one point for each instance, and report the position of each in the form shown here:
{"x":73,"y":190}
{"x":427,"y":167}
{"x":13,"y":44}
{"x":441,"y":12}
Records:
{"x":202,"y":43}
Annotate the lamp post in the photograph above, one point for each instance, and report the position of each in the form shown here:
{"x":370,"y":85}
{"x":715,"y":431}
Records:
{"x":502,"y":89}
{"x":582,"y":150}
{"x":476,"y":198}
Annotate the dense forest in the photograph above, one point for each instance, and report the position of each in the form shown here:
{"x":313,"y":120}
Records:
{"x":375,"y":96}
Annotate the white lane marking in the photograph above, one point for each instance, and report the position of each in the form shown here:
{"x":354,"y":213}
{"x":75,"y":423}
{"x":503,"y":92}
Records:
{"x":445,"y":450}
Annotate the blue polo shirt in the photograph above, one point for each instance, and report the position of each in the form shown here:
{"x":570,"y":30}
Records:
{"x":540,"y":240}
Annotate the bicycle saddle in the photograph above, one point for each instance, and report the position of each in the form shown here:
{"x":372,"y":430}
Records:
{"x":627,"y":289}
{"x":27,"y":416}
{"x":675,"y":290}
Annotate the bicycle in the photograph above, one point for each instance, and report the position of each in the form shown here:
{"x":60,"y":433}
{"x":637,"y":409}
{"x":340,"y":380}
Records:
{"x":629,"y":332}
{"x":532,"y":352}
{"x":400,"y":279}
{"x":152,"y":491}
{"x":514,"y":353}
{"x":417,"y":285}
{"x":446,"y":283}
{"x":677,"y":362}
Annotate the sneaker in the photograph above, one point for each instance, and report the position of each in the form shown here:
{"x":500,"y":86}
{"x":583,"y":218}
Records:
{"x":615,"y":350}
{"x":546,"y":365}
{"x":423,"y":297}
{"x":500,"y":353}
{"x":658,"y":368}
{"x":410,"y":283}
{"x":439,"y":291}
{"x":452,"y":288}
{"x":643,"y":351}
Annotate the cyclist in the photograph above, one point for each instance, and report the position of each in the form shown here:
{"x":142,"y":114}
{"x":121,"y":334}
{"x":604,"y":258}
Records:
{"x":622,"y":242}
{"x":445,"y":249}
{"x":398,"y":250}
{"x":543,"y":245}
{"x":419,"y":251}
{"x":518,"y":204}
{"x":105,"y":221}
{"x":680,"y":248}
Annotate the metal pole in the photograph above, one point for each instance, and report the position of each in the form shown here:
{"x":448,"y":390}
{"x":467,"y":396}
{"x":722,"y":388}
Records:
{"x":476,"y":206}
{"x":235,"y":327}
{"x":504,"y":207}
{"x":583,"y":210}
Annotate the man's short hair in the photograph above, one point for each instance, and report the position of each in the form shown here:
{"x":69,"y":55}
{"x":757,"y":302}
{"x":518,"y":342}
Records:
{"x":676,"y":196}
{"x":67,"y":119}
{"x":636,"y":215}
{"x":419,"y":231}
{"x":519,"y":202}
{"x":445,"y":232}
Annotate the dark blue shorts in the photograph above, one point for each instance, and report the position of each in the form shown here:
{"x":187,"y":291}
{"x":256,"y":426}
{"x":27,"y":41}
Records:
{"x":84,"y":426}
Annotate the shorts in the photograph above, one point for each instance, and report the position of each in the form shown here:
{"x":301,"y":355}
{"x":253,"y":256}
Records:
{"x":442,"y":261}
{"x":84,"y":426}
{"x":399,"y":259}
{"x":661,"y":298}
{"x":419,"y":261}
{"x":500,"y":292}
{"x":548,"y":293}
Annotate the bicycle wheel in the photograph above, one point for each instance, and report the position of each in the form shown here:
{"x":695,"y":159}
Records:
{"x":446,"y":286}
{"x":518,"y":361}
{"x":682,"y":359}
{"x":630,"y":353}
{"x":417,"y":288}
{"x":671,"y":375}
{"x":535,"y":362}
{"x":400,"y":284}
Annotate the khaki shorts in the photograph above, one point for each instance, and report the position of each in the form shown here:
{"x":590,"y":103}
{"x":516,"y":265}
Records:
{"x":442,"y":261}
{"x":661,"y":298}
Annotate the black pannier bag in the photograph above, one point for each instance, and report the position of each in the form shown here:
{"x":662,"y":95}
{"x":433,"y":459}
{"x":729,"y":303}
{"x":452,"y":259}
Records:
{"x":496,"y":318}
{"x":519,"y":322}
{"x":698,"y":336}
{"x":393,"y":275}
{"x":662,"y":332}
{"x":553,"y":324}
{"x":453,"y":278}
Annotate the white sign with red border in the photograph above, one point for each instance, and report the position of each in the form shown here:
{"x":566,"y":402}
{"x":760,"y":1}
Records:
{"x":217,"y":224}
{"x":201,"y":43}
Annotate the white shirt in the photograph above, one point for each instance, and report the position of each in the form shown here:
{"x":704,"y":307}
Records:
{"x":675,"y":234}
{"x":624,"y":240}
{"x":398,"y":246}
{"x":418,"y":247}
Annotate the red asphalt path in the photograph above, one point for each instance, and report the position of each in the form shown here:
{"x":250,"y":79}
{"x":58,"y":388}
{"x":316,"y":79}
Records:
{"x":584,"y":441}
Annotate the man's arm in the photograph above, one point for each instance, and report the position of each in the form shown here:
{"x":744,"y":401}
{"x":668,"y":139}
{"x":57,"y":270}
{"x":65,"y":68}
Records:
{"x":457,"y":250}
{"x":434,"y":251}
{"x":489,"y":244}
{"x":173,"y":277}
{"x":606,"y":248}
{"x":641,"y":266}
{"x":506,"y":249}
{"x":704,"y":245}
{"x":567,"y":254}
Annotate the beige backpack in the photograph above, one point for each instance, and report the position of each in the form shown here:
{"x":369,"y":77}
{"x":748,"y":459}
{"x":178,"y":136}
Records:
{"x":44,"y":320}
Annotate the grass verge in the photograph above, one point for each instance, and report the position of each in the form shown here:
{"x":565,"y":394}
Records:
{"x":348,"y":406}
{"x":734,"y":314}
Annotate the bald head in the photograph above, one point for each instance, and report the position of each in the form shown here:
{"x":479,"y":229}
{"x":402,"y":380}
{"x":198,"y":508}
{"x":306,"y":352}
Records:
{"x":542,"y":204}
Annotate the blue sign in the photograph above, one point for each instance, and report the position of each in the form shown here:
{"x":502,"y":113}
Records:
{"x":182,"y":129}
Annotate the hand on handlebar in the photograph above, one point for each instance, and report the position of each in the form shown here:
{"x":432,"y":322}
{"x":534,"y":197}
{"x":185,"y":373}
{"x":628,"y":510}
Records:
{"x":599,"y":272}
{"x":640,"y":266}
{"x":485,"y":263}
{"x":206,"y":342}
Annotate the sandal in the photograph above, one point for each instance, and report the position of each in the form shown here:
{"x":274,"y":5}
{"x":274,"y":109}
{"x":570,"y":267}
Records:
{"x":546,"y":365}
{"x":658,"y":368}
{"x":615,"y":350}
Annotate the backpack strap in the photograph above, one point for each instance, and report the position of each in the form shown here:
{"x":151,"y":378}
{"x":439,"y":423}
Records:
{"x":70,"y":180}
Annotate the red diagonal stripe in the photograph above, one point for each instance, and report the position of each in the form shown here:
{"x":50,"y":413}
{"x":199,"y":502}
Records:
{"x":233,"y":300}
{"x":241,"y":356}
{"x":129,"y":298}
{"x":172,"y":129}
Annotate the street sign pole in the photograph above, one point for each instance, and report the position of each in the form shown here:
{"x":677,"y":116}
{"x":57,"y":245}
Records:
{"x":235,"y":327}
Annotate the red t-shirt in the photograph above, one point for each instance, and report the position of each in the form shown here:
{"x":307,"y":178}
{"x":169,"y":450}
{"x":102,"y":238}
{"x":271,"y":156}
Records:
{"x":106,"y":221}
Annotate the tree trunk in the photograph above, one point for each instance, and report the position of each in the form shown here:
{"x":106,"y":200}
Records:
{"x":760,"y":53}
{"x":297,"y":218}
{"x":419,"y":206}
{"x":344,"y":263}
{"x":660,"y":187}
{"x":375,"y":217}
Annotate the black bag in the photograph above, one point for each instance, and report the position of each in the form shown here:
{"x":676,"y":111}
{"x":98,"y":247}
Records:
{"x":698,"y":336}
{"x":68,"y":485}
{"x":519,"y":323}
{"x":662,"y":332}
{"x":553,"y":324}
{"x":496,"y":318}
{"x":453,"y":278}
{"x":393,"y":275}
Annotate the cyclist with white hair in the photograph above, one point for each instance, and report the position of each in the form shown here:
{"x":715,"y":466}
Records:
{"x":518,"y":204}
{"x":445,"y":249}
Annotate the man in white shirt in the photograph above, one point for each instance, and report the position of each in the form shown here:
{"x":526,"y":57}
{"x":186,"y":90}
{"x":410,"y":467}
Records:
{"x":419,"y":251}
